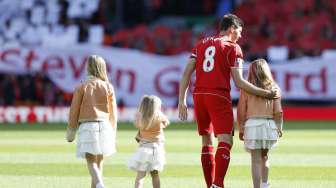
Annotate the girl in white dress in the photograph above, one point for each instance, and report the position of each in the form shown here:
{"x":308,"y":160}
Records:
{"x":93,"y":112}
{"x":150,"y":155}
{"x":259,"y":121}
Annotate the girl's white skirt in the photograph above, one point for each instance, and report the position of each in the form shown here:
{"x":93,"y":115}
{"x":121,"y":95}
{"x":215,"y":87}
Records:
{"x":97,"y":138}
{"x":260,"y":133}
{"x":148,"y":157}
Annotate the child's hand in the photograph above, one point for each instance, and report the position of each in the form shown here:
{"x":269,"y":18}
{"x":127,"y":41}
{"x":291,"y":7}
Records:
{"x":137,"y":137}
{"x":280,"y":133}
{"x":70,"y":134}
{"x":241,"y":136}
{"x":165,"y":123}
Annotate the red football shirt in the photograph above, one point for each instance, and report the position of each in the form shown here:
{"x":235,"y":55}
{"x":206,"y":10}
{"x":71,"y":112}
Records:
{"x":214,"y":59}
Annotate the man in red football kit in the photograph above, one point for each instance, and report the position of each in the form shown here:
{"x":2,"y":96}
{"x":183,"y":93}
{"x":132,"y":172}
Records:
{"x":215,"y":59}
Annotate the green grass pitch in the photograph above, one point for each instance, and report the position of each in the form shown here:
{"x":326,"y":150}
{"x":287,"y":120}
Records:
{"x":37,"y":155}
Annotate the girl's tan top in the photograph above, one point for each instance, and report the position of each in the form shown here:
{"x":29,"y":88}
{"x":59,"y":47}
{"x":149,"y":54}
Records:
{"x":251,"y":106}
{"x":93,"y":100}
{"x":155,"y":131}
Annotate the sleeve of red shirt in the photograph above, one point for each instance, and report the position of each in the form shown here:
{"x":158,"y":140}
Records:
{"x":194,"y":52}
{"x":195,"y":49}
{"x":234,"y":54}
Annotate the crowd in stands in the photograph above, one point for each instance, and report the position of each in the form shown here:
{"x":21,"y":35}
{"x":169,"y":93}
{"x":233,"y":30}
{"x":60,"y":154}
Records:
{"x":34,"y":89}
{"x":167,"y":27}
{"x":305,"y":27}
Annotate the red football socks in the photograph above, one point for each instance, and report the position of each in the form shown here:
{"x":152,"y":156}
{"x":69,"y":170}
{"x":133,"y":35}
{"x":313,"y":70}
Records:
{"x":222,"y":160}
{"x":208,"y":164}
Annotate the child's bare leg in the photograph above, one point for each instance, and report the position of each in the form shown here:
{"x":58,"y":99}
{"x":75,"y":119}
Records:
{"x":93,"y":169}
{"x":255,"y":167}
{"x":264,"y":165}
{"x":100,"y":159}
{"x":93,"y":185}
{"x":139,"y":179}
{"x":89,"y":160}
{"x":155,"y":178}
{"x":100,"y":163}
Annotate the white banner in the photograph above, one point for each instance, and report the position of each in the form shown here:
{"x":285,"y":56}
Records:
{"x":305,"y":79}
{"x":134,"y":73}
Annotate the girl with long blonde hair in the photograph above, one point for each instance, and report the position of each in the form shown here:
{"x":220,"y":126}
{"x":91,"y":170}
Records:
{"x":259,"y":121}
{"x":150,"y":155}
{"x":93,"y":112}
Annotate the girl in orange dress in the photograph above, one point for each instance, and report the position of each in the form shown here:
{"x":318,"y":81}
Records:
{"x":150,"y":155}
{"x":259,"y":121}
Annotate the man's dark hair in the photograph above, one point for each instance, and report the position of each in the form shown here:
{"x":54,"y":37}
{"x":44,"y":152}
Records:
{"x":229,"y":20}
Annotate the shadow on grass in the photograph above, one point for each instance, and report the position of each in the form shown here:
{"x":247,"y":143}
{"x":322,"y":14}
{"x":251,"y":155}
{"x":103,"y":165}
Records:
{"x":291,"y":125}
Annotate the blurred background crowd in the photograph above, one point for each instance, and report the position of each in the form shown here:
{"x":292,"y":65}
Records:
{"x":289,"y":28}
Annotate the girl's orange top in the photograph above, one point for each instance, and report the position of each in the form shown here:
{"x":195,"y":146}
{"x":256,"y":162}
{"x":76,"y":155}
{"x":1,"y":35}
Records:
{"x":251,"y":106}
{"x":155,"y":131}
{"x":93,"y":100}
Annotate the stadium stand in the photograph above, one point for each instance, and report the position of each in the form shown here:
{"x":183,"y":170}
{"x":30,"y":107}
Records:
{"x":291,"y":30}
{"x":304,"y":27}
